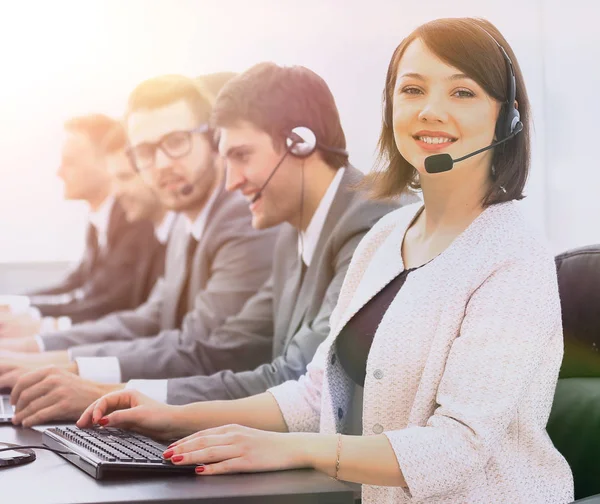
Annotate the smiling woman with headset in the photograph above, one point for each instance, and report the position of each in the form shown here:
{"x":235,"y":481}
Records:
{"x":437,"y":378}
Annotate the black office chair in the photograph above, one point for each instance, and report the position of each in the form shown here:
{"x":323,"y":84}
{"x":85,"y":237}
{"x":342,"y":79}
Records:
{"x":574,"y":424}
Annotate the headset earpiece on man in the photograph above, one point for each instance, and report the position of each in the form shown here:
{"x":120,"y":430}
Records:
{"x":301,"y":142}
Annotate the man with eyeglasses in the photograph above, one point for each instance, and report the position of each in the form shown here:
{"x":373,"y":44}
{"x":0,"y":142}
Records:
{"x":265,"y":118}
{"x":215,"y":259}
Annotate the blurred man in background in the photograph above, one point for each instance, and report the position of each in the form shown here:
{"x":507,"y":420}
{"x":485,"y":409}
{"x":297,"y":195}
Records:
{"x":106,"y":279}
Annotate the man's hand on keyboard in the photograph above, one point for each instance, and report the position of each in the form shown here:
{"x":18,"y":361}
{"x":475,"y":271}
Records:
{"x":13,"y":365}
{"x":27,"y":345}
{"x":53,"y":393}
{"x":132,"y":410}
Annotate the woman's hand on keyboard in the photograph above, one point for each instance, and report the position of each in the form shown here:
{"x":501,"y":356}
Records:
{"x":130,"y":409}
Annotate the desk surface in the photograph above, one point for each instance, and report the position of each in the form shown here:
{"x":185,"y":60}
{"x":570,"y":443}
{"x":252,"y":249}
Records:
{"x":53,"y":480}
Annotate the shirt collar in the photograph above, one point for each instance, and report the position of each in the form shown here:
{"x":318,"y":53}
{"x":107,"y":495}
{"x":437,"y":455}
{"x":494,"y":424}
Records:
{"x":196,"y":228}
{"x":162,"y":231}
{"x":100,"y":219}
{"x":307,"y":241}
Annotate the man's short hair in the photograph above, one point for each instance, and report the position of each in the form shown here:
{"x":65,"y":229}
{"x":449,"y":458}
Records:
{"x":97,"y":127}
{"x":164,"y":90}
{"x":277,"y":99}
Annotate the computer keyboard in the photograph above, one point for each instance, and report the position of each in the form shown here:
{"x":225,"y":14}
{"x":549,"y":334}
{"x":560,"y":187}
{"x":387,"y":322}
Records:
{"x":101,"y":451}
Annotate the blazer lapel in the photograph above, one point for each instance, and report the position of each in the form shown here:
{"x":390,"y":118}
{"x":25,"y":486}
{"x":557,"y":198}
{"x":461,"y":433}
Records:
{"x":178,"y":274}
{"x":116,"y":223}
{"x":339,"y":205}
{"x":290,"y":301}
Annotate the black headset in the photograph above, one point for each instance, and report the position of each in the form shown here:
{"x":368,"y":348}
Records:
{"x":509,"y":119}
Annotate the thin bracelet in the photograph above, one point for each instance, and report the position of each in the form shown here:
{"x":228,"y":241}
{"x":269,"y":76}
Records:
{"x":337,"y":458}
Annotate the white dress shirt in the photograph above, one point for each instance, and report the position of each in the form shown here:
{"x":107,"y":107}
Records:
{"x":162,"y":231}
{"x":307,"y":242}
{"x":107,"y":369}
{"x":100,"y":219}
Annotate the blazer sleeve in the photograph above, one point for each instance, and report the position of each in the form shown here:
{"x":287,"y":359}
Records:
{"x":72,"y":281}
{"x":289,"y":366}
{"x":111,"y":286}
{"x":120,"y":326}
{"x":511,"y":327}
{"x":240,"y":267}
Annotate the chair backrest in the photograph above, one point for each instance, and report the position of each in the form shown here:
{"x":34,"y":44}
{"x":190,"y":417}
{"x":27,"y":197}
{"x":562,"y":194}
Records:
{"x":579,"y":286}
{"x":574,"y":423}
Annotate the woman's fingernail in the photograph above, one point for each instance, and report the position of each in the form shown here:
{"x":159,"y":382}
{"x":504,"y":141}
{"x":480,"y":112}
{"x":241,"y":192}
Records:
{"x":177,"y":458}
{"x":168,"y":454}
{"x":103,"y":421}
{"x":200,"y":469}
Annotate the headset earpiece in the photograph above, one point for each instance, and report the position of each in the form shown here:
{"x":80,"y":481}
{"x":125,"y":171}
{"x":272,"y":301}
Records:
{"x":301,"y":142}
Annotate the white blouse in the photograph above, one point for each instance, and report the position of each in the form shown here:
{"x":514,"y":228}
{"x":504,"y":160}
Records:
{"x":462,"y":370}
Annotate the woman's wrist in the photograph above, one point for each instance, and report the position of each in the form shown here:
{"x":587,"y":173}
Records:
{"x":313,"y":450}
{"x":187,"y":419}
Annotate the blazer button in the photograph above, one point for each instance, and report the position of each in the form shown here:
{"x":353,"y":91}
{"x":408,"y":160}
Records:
{"x":378,"y":374}
{"x":333,"y":359}
{"x":340,"y":413}
{"x":377,"y":428}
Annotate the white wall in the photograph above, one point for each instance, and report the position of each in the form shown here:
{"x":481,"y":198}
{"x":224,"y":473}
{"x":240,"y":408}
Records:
{"x":66,"y":57}
{"x":572,"y":118}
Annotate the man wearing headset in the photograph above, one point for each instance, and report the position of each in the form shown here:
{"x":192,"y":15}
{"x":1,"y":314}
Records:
{"x":297,"y":177}
{"x":215,"y":260}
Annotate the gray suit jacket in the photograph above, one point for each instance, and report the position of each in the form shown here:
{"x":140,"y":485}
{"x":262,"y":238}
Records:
{"x":232,"y":261}
{"x":292,"y":319}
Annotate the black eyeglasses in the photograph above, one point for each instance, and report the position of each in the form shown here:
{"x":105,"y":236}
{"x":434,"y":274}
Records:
{"x":174,"y":145}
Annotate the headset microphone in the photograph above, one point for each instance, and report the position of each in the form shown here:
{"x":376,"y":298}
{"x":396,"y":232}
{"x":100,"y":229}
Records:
{"x":439,"y":163}
{"x":300,"y":143}
{"x":186,"y":190}
{"x":259,"y":193}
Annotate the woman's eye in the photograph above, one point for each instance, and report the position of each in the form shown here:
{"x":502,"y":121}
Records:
{"x":411,"y":90}
{"x":464,"y":93}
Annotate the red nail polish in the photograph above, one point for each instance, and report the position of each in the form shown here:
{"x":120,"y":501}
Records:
{"x":177,"y":458}
{"x":103,"y":421}
{"x":200,"y":469}
{"x":168,"y":454}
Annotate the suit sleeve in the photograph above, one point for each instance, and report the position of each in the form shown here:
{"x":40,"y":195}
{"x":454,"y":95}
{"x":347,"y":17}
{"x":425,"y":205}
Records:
{"x":120,"y":326}
{"x":110,"y":288}
{"x":73,"y":280}
{"x":240,"y":267}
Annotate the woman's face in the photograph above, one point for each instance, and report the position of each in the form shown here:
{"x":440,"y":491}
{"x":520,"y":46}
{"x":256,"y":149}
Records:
{"x":437,"y":109}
